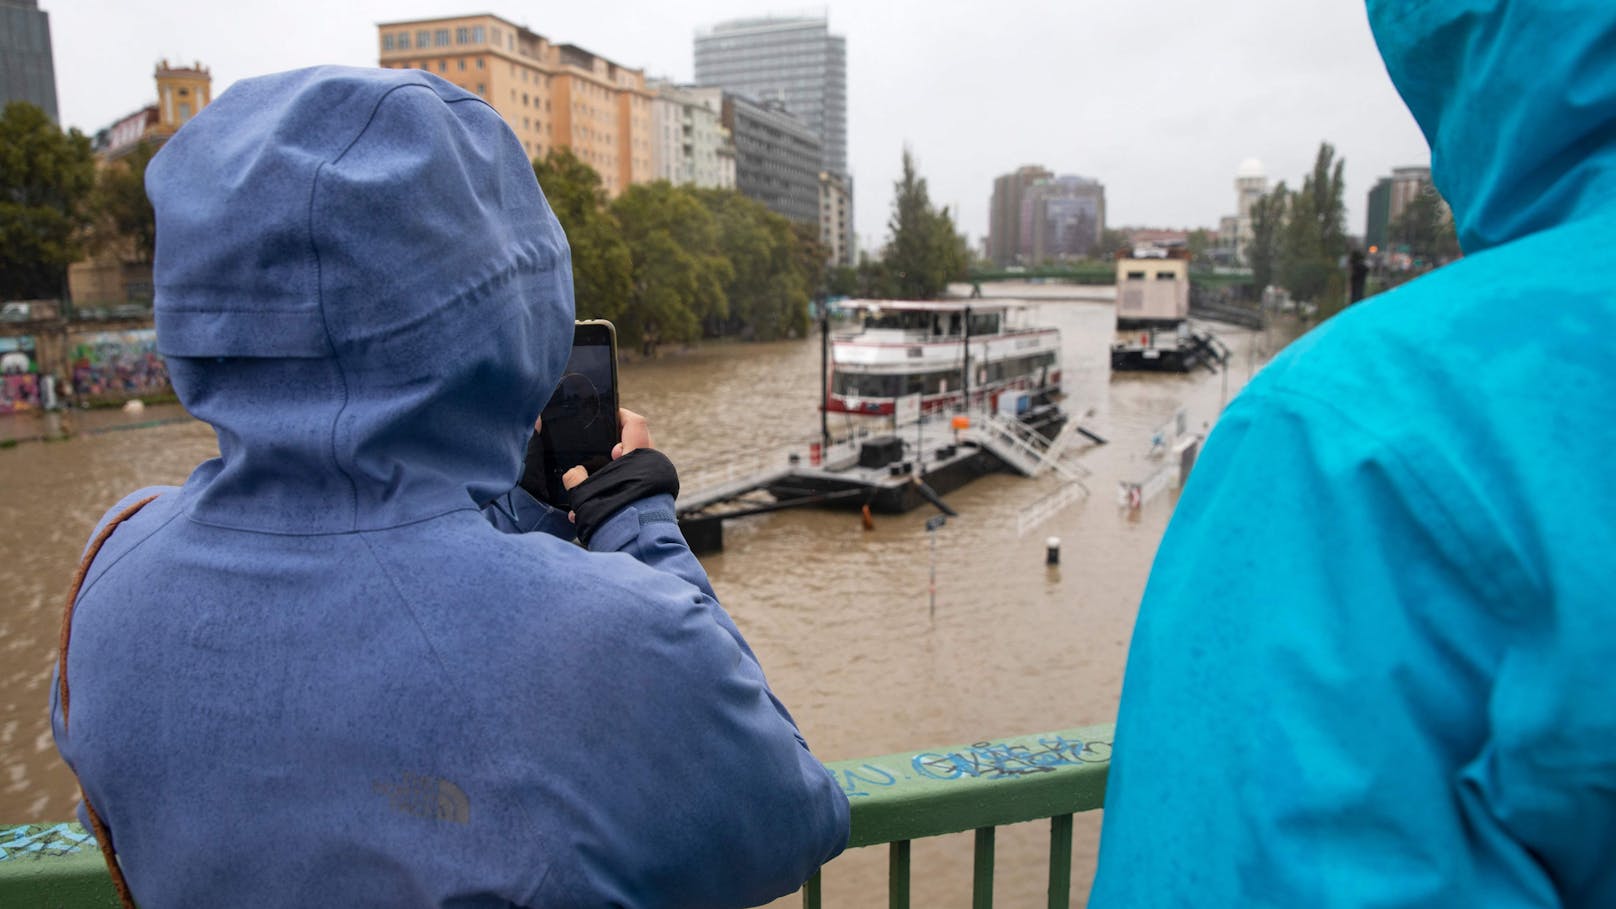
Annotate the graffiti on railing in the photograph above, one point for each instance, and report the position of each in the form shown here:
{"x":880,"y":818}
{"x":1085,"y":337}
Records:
{"x":854,"y":779}
{"x":1001,"y":760}
{"x":38,"y":840}
{"x":989,"y":760}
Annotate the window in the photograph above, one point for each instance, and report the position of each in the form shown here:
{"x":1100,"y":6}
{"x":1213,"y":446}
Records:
{"x":477,"y":34}
{"x":1167,"y":276}
{"x":403,"y":40}
{"x":185,"y":111}
{"x":440,"y":38}
{"x":1136,"y":276}
{"x":423,"y":39}
{"x":479,"y":63}
{"x":462,"y":35}
{"x":482,"y":90}
{"x":387,"y":42}
{"x":443,"y":66}
{"x":462,"y":64}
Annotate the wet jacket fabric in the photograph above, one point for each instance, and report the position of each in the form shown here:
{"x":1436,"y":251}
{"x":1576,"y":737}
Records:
{"x":317,"y":674}
{"x":1373,"y":662}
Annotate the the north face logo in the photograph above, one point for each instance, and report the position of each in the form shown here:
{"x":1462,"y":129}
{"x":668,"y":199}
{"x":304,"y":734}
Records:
{"x":426,"y":797}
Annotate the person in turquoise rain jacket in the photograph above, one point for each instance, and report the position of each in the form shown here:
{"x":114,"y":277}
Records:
{"x":318,"y":674}
{"x":1374,"y":661}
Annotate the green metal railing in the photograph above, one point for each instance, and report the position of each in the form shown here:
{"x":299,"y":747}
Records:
{"x":896,"y":799}
{"x":899,"y":798}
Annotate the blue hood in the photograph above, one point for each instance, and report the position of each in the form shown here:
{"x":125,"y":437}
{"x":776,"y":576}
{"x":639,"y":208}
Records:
{"x":361,"y":287}
{"x":1519,"y":107}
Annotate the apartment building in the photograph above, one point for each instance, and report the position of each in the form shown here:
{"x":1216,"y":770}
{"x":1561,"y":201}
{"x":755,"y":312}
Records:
{"x":690,"y":144}
{"x":552,"y":95}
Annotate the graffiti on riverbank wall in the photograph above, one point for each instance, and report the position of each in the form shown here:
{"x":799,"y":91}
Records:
{"x":19,"y":375}
{"x":118,"y":363}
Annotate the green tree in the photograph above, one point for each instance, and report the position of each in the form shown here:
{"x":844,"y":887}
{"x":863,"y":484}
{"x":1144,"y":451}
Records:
{"x":843,"y":281}
{"x":1267,"y":226}
{"x":924,"y":252}
{"x":1315,"y":237}
{"x":125,"y":219}
{"x":602,"y":270}
{"x":679,"y":271}
{"x":45,"y":180}
{"x":773,"y":268}
{"x":1111,"y":242}
{"x":1426,"y":228}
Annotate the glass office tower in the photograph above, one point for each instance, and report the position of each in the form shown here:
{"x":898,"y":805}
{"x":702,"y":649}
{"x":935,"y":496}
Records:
{"x":27,"y":72}
{"x":794,"y":61}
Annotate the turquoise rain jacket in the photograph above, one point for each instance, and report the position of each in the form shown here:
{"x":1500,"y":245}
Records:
{"x":316,"y":674}
{"x":1374,"y":663}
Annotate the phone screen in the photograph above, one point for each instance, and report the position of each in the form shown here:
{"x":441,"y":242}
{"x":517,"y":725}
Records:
{"x":579,"y":425}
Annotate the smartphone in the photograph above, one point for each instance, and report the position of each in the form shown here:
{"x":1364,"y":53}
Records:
{"x":579,"y":425}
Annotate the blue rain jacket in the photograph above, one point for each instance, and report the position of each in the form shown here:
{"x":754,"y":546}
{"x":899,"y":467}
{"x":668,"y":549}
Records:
{"x":1373,"y":663}
{"x":316,"y":674}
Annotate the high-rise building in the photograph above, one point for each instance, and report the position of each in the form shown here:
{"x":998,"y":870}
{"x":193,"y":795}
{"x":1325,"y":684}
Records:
{"x":776,"y":157}
{"x":1004,"y":218}
{"x":27,"y":72}
{"x":689,"y":142}
{"x":795,"y":61}
{"x":1391,"y":196}
{"x":1061,"y":218}
{"x":551,"y":95}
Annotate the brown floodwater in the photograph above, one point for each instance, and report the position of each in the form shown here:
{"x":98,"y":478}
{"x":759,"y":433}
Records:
{"x":839,"y":615}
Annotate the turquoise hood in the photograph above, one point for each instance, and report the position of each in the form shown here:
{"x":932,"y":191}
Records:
{"x":1519,"y":106}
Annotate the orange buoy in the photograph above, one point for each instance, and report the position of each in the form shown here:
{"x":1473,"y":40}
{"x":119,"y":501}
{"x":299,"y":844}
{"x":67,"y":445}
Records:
{"x":961,"y":421}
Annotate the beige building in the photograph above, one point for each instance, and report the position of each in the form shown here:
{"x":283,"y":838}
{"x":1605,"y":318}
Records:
{"x":551,"y":95}
{"x":836,"y":217}
{"x":115,"y":274}
{"x":690,"y":144}
{"x":182,"y":92}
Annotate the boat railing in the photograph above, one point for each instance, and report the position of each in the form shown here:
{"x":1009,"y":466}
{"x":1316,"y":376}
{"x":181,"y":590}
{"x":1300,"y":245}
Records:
{"x":896,"y":799}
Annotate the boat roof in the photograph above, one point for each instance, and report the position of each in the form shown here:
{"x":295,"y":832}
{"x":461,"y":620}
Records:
{"x":948,"y":306}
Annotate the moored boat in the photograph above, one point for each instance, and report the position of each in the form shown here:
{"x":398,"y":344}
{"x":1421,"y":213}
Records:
{"x":935,"y":355}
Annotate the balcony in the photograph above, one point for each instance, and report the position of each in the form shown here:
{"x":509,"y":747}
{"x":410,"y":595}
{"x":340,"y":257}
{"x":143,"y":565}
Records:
{"x":896,"y":799}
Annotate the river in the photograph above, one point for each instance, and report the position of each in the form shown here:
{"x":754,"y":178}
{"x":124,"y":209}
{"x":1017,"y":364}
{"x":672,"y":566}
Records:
{"x":838,"y":615}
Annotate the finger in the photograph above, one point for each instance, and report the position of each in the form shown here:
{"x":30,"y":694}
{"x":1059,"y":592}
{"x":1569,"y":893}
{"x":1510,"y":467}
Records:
{"x":572,"y":516}
{"x":574,"y":476}
{"x":635,"y":432}
{"x":538,"y":423}
{"x":617,"y":451}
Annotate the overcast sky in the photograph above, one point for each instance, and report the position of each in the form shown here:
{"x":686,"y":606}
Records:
{"x":1160,"y":101}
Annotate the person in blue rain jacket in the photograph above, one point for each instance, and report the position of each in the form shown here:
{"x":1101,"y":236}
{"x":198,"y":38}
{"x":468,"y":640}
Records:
{"x":1373,"y":662}
{"x":317,"y":674}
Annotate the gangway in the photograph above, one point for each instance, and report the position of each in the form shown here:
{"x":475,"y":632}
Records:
{"x":1026,"y":451}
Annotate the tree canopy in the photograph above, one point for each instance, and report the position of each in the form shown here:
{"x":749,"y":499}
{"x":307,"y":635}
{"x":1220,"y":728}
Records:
{"x":46,"y":177}
{"x":924,"y":252}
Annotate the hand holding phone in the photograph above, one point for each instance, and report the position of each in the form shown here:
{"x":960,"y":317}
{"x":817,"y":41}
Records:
{"x":579,"y":426}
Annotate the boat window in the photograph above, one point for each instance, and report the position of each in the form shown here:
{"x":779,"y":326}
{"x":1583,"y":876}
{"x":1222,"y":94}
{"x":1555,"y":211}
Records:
{"x":864,"y":385}
{"x":1136,"y":276}
{"x":904,"y":321}
{"x":985,"y":324}
{"x":1167,"y":276}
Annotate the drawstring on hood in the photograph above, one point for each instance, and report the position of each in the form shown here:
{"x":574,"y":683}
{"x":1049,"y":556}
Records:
{"x":359,"y":284}
{"x":1518,"y":105}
